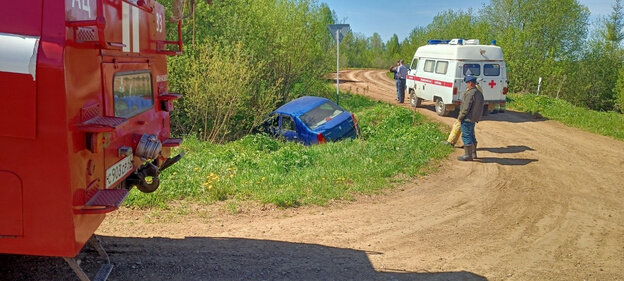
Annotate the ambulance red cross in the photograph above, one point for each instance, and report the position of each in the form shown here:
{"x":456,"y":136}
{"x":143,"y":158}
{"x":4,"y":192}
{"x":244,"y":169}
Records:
{"x":438,"y":68}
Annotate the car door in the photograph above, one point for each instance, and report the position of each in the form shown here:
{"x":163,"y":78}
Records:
{"x":424,"y":86}
{"x":411,"y":75}
{"x":270,"y":125}
{"x":288,"y":129}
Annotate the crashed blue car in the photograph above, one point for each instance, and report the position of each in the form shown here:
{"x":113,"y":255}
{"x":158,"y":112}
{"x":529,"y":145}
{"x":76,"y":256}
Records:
{"x":311,"y":120}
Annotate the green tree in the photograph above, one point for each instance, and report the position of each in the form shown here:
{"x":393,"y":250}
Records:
{"x":457,"y":24}
{"x":613,"y":33}
{"x":598,"y":68}
{"x":215,"y":106}
{"x":619,"y":91}
{"x":393,"y":47}
{"x":536,"y":35}
{"x":376,"y":52}
{"x":417,"y":38}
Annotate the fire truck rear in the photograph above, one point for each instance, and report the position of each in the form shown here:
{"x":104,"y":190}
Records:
{"x":84,"y":116}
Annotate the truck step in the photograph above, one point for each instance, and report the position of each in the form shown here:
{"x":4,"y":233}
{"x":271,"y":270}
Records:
{"x":108,"y":198}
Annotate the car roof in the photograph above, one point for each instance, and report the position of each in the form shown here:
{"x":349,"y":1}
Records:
{"x":298,"y":107}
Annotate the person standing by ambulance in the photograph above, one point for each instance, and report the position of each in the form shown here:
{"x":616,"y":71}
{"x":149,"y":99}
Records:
{"x":393,"y":69}
{"x":470,"y":112}
{"x":400,"y":81}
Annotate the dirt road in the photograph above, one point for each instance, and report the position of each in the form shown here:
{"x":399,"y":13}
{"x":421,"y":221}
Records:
{"x":545,"y":202}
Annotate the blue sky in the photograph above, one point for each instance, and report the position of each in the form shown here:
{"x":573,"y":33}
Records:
{"x":401,"y":16}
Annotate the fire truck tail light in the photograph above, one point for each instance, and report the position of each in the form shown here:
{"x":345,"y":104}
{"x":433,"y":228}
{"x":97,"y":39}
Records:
{"x":454,"y":91}
{"x":97,"y":141}
{"x":505,"y":91}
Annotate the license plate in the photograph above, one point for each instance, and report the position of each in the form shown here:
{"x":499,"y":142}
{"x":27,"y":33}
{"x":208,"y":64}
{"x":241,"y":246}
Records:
{"x":119,"y":170}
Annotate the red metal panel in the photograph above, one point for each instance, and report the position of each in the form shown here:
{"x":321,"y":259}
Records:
{"x":43,"y":163}
{"x":21,"y":17}
{"x":10,"y":204}
{"x":17,"y":105}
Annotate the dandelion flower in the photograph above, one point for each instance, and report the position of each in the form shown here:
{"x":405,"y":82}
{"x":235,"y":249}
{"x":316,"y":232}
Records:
{"x":263,"y":178}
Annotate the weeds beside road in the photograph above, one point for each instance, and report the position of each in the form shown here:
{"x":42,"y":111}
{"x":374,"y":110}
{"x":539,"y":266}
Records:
{"x":604,"y":123}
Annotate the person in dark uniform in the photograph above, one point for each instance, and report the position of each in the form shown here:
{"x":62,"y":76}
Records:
{"x":470,"y":112}
{"x":401,"y":74}
{"x":393,"y":69}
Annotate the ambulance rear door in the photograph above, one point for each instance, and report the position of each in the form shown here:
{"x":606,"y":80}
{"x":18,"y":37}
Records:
{"x":493,"y":81}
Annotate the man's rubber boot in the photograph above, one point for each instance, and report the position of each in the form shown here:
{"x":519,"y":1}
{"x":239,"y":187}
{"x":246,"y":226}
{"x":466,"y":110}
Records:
{"x":467,"y":153}
{"x":474,"y":150}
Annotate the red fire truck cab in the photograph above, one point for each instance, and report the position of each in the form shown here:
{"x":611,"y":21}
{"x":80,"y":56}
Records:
{"x":84,"y":116}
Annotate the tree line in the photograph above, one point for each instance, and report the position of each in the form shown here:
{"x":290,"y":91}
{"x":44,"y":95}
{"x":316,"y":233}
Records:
{"x":243,"y":58}
{"x":577,"y":61}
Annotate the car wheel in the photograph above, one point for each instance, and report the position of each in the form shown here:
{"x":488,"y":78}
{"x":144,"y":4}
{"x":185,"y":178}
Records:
{"x":440,"y":107}
{"x":414,"y":100}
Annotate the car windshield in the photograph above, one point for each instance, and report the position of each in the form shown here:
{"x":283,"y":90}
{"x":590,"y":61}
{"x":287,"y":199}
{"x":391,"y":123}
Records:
{"x":321,"y":115}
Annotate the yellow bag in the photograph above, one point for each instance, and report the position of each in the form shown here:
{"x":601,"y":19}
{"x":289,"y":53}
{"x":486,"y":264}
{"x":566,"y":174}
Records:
{"x":455,"y":133}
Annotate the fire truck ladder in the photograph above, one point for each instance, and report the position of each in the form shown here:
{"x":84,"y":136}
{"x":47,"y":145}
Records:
{"x":104,"y":271}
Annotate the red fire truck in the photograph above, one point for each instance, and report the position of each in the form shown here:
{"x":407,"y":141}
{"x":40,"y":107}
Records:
{"x":84,"y":117}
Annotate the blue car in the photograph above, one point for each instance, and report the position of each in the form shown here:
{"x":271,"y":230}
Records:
{"x":311,"y":120}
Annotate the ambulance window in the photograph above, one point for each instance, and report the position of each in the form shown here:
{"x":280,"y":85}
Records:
{"x":491,"y":69}
{"x":413,"y":64}
{"x":133,"y":93}
{"x":429,"y":65}
{"x":441,"y":67}
{"x":474,"y":68}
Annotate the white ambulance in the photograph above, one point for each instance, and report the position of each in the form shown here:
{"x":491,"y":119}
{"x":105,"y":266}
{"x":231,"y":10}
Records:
{"x":438,"y":69}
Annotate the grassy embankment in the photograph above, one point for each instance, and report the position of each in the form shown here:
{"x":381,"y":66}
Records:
{"x":396,"y":144}
{"x":604,"y":123}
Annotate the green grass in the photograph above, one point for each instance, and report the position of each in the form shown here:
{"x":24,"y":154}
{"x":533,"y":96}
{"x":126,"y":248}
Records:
{"x":396,"y":144}
{"x":603,"y":123}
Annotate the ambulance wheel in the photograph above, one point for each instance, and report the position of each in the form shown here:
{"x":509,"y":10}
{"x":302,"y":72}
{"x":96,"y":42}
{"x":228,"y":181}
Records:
{"x":440,"y":107}
{"x":414,"y":100}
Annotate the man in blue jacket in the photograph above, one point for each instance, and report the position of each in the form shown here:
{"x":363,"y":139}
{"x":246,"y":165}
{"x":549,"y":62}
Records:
{"x":470,"y":112}
{"x":401,"y":74}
